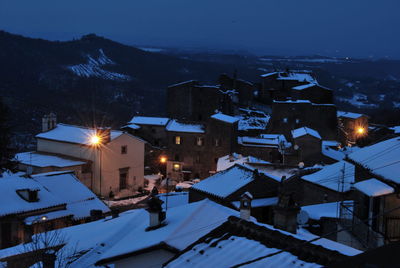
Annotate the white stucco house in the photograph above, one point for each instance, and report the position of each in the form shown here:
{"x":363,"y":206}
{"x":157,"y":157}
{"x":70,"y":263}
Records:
{"x":112,"y":162}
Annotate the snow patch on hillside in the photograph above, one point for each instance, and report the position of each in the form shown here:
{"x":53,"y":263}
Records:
{"x":93,"y":68}
{"x":359,"y":100}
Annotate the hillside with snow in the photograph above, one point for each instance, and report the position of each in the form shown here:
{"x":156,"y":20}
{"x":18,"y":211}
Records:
{"x":93,"y":68}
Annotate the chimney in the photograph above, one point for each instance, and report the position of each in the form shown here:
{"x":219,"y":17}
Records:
{"x":96,"y":214}
{"x":49,"y":121}
{"x":115,"y":213}
{"x":156,"y":215}
{"x":245,"y":206}
{"x":104,"y":134}
{"x":285,"y":213}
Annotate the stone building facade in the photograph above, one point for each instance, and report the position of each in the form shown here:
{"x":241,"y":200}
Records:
{"x":289,"y":115}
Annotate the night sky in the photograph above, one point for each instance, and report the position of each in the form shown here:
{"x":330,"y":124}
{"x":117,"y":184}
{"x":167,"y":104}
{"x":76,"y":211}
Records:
{"x":354,"y":28}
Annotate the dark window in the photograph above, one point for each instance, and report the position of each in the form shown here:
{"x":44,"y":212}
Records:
{"x":123,"y":178}
{"x":217,"y":142}
{"x":199,"y":141}
{"x":197,"y":158}
{"x":124,"y":149}
{"x":176,"y":157}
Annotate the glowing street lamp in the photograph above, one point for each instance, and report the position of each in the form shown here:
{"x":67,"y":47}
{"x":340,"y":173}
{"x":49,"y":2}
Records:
{"x":360,"y":130}
{"x":95,"y":140}
{"x":163,"y":159}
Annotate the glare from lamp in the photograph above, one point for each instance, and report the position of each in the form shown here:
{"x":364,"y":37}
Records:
{"x":43,"y":218}
{"x":163,"y":159}
{"x":95,"y":140}
{"x":360,"y":130}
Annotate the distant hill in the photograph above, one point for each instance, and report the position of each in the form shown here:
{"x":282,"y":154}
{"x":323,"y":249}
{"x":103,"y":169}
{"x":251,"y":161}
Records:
{"x":92,"y":77}
{"x":93,"y":80}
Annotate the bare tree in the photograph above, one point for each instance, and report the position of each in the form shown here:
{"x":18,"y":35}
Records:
{"x":51,"y":250}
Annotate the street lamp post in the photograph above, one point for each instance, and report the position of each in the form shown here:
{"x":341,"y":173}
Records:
{"x":95,"y":141}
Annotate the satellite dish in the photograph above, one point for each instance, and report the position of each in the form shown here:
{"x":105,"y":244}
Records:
{"x":302,"y":217}
{"x":301,"y":165}
{"x":296,"y":147}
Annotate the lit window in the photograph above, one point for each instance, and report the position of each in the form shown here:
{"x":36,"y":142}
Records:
{"x":177,"y":140}
{"x":176,"y":167}
{"x":199,"y":141}
{"x":124,"y":149}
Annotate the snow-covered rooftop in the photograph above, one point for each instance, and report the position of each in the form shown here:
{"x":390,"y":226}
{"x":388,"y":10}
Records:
{"x":247,"y":122}
{"x":373,"y":187}
{"x":149,"y":120}
{"x":301,"y":87}
{"x":73,"y":134}
{"x":382,"y":159}
{"x":332,"y":176}
{"x":269,"y":74}
{"x":324,"y":210}
{"x":299,"y":132}
{"x":240,"y":243}
{"x":175,"y":126}
{"x":127,"y":233}
{"x":54,"y":189}
{"x":259,"y":202}
{"x":45,"y":160}
{"x":132,"y":126}
{"x":349,"y":115}
{"x":225,"y":118}
{"x":396,"y":129}
{"x":228,"y":181}
{"x":264,"y":140}
{"x":301,"y":77}
{"x":228,"y":161}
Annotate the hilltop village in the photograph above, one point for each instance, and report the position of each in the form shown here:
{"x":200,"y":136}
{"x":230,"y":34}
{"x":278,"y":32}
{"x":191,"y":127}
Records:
{"x":256,"y":174}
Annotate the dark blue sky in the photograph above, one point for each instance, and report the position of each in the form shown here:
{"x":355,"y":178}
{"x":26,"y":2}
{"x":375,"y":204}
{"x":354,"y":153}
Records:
{"x":356,"y":28}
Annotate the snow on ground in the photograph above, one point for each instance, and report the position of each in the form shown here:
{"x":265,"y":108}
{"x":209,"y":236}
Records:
{"x":152,"y":179}
{"x":152,"y":49}
{"x":92,"y":68}
{"x":125,"y":202}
